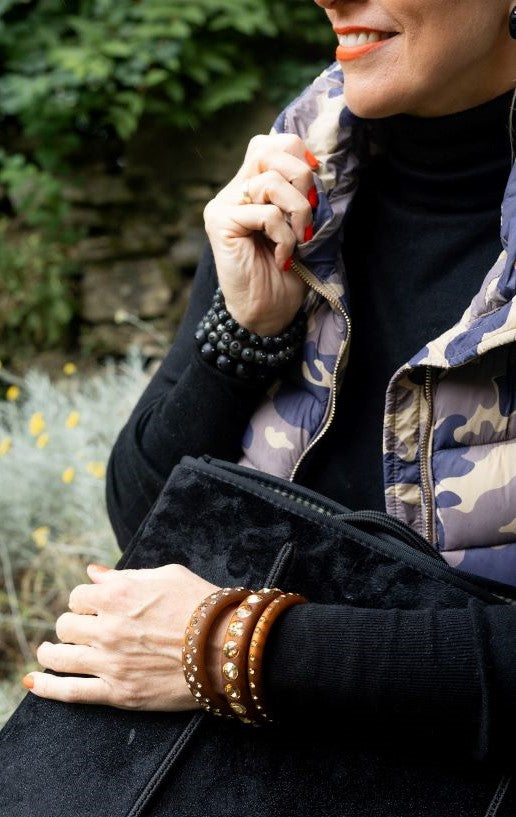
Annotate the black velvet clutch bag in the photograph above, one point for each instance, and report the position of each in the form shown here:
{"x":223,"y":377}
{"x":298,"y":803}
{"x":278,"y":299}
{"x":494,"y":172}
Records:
{"x":235,"y":526}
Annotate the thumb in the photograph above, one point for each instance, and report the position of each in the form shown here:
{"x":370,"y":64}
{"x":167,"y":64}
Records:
{"x":99,"y":573}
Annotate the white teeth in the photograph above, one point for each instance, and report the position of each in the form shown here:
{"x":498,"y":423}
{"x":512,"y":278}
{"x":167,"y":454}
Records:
{"x":365,"y":37}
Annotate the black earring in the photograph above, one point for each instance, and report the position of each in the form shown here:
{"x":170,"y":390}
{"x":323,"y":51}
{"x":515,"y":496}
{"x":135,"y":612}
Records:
{"x":512,"y":24}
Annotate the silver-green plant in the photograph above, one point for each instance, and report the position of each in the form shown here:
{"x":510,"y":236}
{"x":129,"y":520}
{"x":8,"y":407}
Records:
{"x":55,"y":440}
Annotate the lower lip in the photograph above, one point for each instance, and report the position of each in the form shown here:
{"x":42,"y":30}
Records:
{"x":345,"y":54}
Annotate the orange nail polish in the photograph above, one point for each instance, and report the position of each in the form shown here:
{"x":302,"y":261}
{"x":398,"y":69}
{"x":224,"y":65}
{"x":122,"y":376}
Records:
{"x":309,"y":232}
{"x":311,"y":159}
{"x":312,"y":197}
{"x":100,"y":568}
{"x":28,"y":681}
{"x":287,"y":265}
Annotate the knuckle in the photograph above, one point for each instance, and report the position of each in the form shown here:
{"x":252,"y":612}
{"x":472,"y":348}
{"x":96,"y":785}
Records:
{"x":256,"y":142}
{"x":306,"y":211}
{"x":275,"y":217}
{"x":72,"y":692}
{"x":132,"y":695}
{"x":62,"y":624}
{"x":291,"y":142}
{"x":118,"y":667}
{"x":74,"y":597}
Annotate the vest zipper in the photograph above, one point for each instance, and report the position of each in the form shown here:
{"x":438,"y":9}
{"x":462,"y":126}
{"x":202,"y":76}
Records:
{"x":311,"y":281}
{"x":426,"y":485}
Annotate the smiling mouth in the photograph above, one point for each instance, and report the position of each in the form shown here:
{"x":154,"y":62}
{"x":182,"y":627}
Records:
{"x":355,"y":42}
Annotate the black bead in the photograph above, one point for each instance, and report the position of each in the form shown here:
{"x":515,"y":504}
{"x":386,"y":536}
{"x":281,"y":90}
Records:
{"x":254,"y":340}
{"x":243,"y":371}
{"x":260,"y":357}
{"x":208,"y":352}
{"x":512,"y":24}
{"x":289,"y":352}
{"x":223,"y":315}
{"x":231,"y":325}
{"x":247,"y":355}
{"x":281,"y":357}
{"x":272,"y":360}
{"x":268,"y":343}
{"x":214,"y":338}
{"x":278,"y":341}
{"x":222,"y":347}
{"x":220,"y":328}
{"x":226,"y":337}
{"x":200,"y":337}
{"x":225,"y":364}
{"x":242,"y":333}
{"x":235,"y":347}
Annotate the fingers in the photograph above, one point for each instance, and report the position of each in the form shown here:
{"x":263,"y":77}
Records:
{"x":261,"y":147}
{"x":86,"y":598}
{"x":69,"y":658}
{"x":295,"y":171}
{"x":272,"y":188}
{"x":237,"y":221}
{"x":78,"y":629}
{"x":68,"y":690}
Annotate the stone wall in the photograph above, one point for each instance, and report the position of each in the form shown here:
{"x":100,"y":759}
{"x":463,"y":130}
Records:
{"x":143,"y":229}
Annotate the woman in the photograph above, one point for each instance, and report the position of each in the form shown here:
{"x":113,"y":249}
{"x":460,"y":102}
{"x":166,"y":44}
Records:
{"x":400,"y":184}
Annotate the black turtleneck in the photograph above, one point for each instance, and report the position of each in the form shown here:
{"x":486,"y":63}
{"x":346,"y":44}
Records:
{"x":422,"y":232}
{"x":420,"y":237}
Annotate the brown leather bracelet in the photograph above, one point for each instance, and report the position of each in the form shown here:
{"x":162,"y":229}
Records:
{"x":236,"y":650}
{"x":195,"y":640}
{"x":257,"y":646}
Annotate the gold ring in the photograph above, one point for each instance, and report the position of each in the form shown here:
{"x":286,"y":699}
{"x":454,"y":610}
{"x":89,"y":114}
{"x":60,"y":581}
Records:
{"x":246,"y":196}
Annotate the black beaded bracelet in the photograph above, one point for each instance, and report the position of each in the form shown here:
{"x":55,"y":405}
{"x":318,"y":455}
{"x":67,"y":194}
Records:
{"x":235,"y":350}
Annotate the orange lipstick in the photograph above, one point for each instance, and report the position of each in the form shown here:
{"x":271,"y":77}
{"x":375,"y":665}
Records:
{"x":346,"y":53}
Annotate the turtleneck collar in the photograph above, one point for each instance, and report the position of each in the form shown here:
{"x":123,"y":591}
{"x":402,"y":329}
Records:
{"x":458,"y":162}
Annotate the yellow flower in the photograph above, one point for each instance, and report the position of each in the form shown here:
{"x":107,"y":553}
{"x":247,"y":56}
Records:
{"x":12,"y":393}
{"x":5,"y":446}
{"x":69,"y":369}
{"x":42,"y":440}
{"x":120,"y":316}
{"x":72,"y":421}
{"x":37,"y":424}
{"x":96,"y":469}
{"x":40,"y":536}
{"x":68,"y":475}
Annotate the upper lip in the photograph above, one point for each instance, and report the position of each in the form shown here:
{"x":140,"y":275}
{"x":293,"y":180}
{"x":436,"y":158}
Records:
{"x":359,"y":29}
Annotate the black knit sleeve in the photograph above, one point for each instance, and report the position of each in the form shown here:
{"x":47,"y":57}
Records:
{"x":428,"y":679}
{"x":189,"y":407}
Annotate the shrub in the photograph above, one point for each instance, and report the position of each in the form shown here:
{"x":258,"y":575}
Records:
{"x":101,"y":64}
{"x":55,"y":440}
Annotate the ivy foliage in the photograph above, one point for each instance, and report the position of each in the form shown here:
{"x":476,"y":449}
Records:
{"x":75,"y":67}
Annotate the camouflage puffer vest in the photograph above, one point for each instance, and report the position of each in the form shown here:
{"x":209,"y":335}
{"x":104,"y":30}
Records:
{"x":450,"y":418}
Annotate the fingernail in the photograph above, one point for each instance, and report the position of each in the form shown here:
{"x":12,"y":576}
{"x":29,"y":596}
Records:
{"x":309,"y":232}
{"x":287,"y":265}
{"x":100,"y":568}
{"x":312,"y":197}
{"x":311,"y":159}
{"x":28,"y":681}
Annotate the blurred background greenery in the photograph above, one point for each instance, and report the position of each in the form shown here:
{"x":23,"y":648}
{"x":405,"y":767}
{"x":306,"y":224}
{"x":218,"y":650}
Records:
{"x":79,"y":78}
{"x":118,"y":122}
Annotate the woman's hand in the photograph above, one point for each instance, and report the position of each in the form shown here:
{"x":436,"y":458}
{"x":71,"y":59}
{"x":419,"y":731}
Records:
{"x":126,"y":631}
{"x":253,"y":242}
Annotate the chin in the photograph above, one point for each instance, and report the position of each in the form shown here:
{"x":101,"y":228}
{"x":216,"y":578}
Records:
{"x":371,"y":101}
